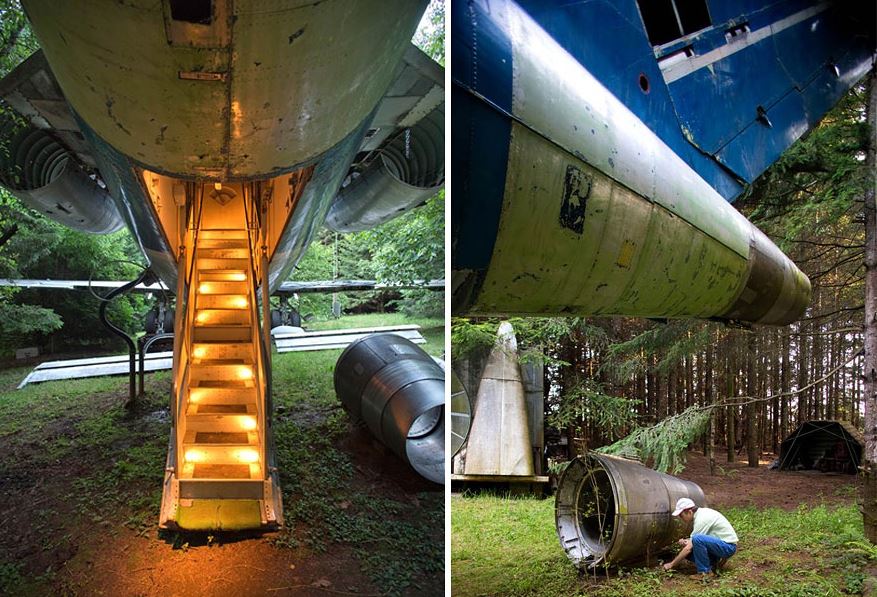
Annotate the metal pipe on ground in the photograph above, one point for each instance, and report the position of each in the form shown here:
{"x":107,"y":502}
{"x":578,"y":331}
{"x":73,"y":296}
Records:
{"x":613,"y":511}
{"x":397,"y":389}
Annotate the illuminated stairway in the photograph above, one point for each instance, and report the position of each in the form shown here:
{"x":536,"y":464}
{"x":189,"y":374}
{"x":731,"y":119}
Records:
{"x":217,"y":467}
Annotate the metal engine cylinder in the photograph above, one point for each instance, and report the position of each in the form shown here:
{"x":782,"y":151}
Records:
{"x":616,"y":511}
{"x":407,"y":172}
{"x":398,"y":391}
{"x":41,"y":173}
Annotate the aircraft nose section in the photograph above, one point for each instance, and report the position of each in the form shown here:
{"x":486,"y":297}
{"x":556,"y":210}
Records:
{"x":776,"y":291}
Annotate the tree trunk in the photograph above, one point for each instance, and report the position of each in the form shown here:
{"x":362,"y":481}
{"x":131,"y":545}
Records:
{"x":869,"y":466}
{"x":732,"y":410}
{"x":803,"y":359}
{"x":751,"y":406}
{"x":784,"y":389}
{"x":708,"y":399}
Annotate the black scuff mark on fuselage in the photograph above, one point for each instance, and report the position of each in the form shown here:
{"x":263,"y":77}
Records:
{"x":160,"y":138}
{"x":576,"y":190}
{"x":109,"y":103}
{"x":296,"y":35}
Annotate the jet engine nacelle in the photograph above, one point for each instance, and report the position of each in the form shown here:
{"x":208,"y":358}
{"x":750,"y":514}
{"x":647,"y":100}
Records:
{"x":41,"y":173}
{"x":405,"y":173}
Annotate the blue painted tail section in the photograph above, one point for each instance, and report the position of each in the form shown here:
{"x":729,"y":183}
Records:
{"x":728,"y":98}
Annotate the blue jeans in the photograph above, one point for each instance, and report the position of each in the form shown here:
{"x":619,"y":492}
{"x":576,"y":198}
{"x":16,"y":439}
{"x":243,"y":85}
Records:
{"x":706,"y":551}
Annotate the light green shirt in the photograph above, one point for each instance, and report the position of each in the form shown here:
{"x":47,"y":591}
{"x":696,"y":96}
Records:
{"x":709,"y":522}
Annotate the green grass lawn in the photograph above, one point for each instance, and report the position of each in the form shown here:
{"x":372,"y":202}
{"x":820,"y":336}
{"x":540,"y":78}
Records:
{"x":507,"y":546}
{"x":433,"y":329}
{"x":74,"y":445}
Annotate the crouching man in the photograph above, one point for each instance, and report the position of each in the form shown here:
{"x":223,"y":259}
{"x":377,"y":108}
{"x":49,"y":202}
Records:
{"x":712,"y":540}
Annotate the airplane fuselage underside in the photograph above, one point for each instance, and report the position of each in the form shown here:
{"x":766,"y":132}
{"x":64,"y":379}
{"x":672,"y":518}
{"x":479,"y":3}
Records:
{"x":222,"y":132}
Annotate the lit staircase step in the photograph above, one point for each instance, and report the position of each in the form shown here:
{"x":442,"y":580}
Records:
{"x":222,"y":233}
{"x":226,"y":423}
{"x":220,"y":408}
{"x":224,"y":275}
{"x":222,"y":243}
{"x":221,"y":471}
{"x":222,"y":301}
{"x":221,"y":287}
{"x":223,"y":373}
{"x":220,"y":438}
{"x":222,"y":333}
{"x":223,"y":253}
{"x":219,"y":493}
{"x":223,"y":350}
{"x":221,"y":453}
{"x":206,"y":391}
{"x":206,"y":264}
{"x":213,"y":317}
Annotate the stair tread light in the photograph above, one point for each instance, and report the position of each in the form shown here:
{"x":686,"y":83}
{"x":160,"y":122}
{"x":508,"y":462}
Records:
{"x":195,"y":456}
{"x":248,"y":423}
{"x":247,"y":455}
{"x":245,"y":372}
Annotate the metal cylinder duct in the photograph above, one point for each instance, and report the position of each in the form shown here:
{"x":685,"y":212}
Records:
{"x":399,"y":392}
{"x":616,"y":511}
{"x":40,"y":172}
{"x":407,"y":171}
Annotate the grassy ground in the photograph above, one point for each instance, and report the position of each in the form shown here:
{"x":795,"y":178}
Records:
{"x":82,"y":474}
{"x":432,"y":328}
{"x":327,"y":505}
{"x":502,"y":546}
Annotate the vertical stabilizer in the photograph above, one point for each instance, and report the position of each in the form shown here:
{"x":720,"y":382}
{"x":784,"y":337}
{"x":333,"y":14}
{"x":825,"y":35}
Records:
{"x":499,"y":440}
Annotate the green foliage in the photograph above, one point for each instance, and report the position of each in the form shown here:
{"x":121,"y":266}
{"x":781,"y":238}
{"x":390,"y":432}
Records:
{"x":665,"y":443}
{"x":671,"y":342}
{"x":10,"y":577}
{"x":587,"y":402}
{"x":17,"y":41}
{"x":410,"y":247}
{"x":430,"y":35}
{"x":536,"y":336}
{"x":819,"y":180}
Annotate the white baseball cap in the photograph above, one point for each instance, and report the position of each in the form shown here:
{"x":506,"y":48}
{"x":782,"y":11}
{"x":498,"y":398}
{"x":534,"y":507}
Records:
{"x":683,"y":504}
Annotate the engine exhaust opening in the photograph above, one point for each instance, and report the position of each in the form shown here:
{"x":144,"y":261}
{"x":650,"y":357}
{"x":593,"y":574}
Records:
{"x":596,"y":509}
{"x":611,"y":511}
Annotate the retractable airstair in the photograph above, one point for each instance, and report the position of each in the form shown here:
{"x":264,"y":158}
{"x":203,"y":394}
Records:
{"x":220,"y":470}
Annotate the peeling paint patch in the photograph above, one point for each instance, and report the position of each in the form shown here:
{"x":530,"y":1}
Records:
{"x":109,"y":104}
{"x":625,"y":254}
{"x":296,"y":35}
{"x":576,"y":189}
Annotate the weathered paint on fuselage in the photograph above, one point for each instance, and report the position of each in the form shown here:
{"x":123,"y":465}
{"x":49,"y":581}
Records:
{"x":264,"y":92}
{"x":262,"y":89}
{"x":564,"y":202}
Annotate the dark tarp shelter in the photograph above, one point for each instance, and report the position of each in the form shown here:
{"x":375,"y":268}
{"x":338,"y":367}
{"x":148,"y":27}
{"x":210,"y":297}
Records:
{"x":827,"y":446}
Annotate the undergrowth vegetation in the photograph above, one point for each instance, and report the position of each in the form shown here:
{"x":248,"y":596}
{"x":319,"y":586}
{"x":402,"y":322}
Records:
{"x":504,"y":546}
{"x":94,"y":464}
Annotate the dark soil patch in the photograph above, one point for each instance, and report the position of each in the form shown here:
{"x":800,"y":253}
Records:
{"x":735,"y":484}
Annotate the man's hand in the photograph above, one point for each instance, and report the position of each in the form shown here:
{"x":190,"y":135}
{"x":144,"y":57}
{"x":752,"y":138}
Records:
{"x":668,"y":567}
